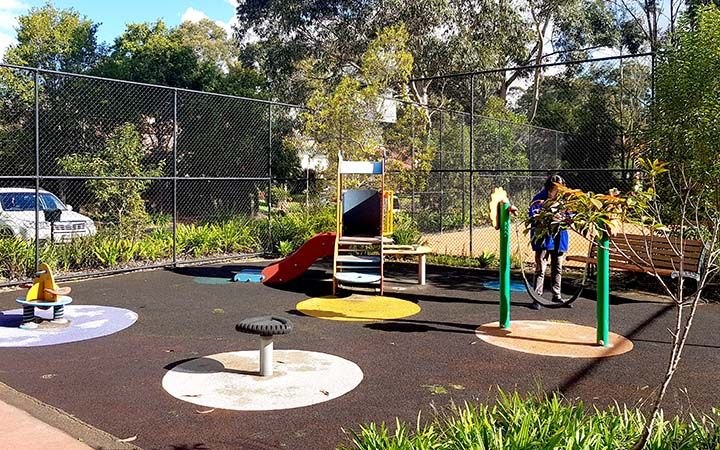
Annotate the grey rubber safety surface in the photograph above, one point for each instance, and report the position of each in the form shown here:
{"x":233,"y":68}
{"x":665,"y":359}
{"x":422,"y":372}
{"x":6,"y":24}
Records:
{"x":419,"y":363}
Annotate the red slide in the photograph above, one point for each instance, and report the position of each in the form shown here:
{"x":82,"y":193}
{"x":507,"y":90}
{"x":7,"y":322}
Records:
{"x":318,"y":246}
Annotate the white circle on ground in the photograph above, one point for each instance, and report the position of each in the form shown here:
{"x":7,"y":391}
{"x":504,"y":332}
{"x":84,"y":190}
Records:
{"x":232,"y":381}
{"x":85,"y":322}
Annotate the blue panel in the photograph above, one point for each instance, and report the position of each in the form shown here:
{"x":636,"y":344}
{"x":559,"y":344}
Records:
{"x":249,"y":276}
{"x":515,"y":286}
{"x":362,"y":214}
{"x":358,"y":278}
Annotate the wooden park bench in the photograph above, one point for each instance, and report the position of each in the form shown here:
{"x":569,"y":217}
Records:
{"x":650,"y":254}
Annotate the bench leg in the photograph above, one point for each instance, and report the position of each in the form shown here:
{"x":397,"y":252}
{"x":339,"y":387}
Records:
{"x":421,"y":270}
{"x":59,"y":314}
{"x":266,"y":356}
{"x":28,"y":322}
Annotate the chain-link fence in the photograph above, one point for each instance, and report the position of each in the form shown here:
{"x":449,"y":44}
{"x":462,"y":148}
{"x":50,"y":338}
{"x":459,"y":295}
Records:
{"x":480,"y":131}
{"x":158,"y":175}
{"x":582,"y":120}
{"x":105,"y":175}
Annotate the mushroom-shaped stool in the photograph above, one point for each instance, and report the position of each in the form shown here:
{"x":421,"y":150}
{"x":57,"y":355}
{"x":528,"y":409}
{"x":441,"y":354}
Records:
{"x":266,"y":327}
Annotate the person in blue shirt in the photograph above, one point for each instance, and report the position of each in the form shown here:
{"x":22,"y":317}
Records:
{"x":551,"y":247}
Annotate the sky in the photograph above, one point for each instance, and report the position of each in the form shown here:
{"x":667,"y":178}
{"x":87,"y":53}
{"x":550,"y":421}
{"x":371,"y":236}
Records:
{"x":113,"y":15}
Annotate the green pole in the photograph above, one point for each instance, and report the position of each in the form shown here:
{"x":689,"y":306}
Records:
{"x":504,"y":265}
{"x":603,"y":289}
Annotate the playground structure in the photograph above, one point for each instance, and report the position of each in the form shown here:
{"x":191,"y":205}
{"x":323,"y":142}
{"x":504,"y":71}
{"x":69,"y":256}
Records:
{"x":500,"y":211}
{"x":358,"y":254}
{"x":44,"y":293}
{"x":364,"y":222}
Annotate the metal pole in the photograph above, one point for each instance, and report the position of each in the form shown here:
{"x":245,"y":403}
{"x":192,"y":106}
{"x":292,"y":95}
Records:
{"x":37,"y":170}
{"x":603,"y":289}
{"x":266,"y":356}
{"x":269,"y":198}
{"x":472,"y":150}
{"x":175,"y":173}
{"x":442,"y":191}
{"x":462,"y":166}
{"x":414,"y":178}
{"x":504,"y":265}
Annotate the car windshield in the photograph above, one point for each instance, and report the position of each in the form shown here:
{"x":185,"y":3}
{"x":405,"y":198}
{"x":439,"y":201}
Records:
{"x":25,"y":201}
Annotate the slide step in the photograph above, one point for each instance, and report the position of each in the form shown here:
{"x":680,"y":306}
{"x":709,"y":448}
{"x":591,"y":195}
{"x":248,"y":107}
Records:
{"x":357,"y":278}
{"x":360,"y":240}
{"x":344,"y":259}
{"x":360,"y":269}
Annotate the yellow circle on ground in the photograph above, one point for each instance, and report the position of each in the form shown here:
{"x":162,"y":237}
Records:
{"x":552,"y":339}
{"x":357,"y":308}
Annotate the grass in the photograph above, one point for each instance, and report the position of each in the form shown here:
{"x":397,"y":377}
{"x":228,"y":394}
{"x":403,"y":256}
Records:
{"x":537,"y":422}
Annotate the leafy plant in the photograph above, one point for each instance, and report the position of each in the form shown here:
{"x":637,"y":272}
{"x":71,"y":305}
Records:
{"x":405,"y":230}
{"x":18,"y":257}
{"x":108,"y":252}
{"x":285,"y":248}
{"x":539,"y":422}
{"x":486,"y":259}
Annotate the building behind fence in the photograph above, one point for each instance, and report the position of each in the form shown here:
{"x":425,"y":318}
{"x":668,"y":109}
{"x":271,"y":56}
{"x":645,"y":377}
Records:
{"x":169,"y":175}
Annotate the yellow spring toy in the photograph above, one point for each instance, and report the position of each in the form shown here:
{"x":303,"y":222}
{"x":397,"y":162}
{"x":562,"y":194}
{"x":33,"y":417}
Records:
{"x":44,"y":293}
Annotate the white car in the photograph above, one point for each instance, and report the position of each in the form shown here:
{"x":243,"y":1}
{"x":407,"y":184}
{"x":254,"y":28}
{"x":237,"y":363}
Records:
{"x":17,"y":216}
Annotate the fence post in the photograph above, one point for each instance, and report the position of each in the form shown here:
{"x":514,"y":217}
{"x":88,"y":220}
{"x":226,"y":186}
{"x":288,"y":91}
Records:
{"x":37,"y":169}
{"x":414,"y":178}
{"x":269,"y":195}
{"x":442,"y":190}
{"x":175,"y":213}
{"x":472,"y":150}
{"x":462,"y":165}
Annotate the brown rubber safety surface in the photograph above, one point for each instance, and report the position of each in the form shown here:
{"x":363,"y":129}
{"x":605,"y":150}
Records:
{"x":552,"y":338}
{"x":409,"y":364}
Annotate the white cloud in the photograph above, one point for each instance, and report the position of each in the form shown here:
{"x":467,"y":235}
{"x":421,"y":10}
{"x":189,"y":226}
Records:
{"x":8,"y":20}
{"x":12,"y":4}
{"x":191,"y":15}
{"x":5,"y":41}
{"x":9,"y":12}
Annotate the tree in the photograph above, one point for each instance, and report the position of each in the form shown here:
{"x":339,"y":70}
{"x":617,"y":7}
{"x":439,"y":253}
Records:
{"x":48,"y":38}
{"x":443,"y":35}
{"x":686,"y":129}
{"x":117,"y":201}
{"x":345,"y":119}
{"x":152,"y":53}
{"x":54,"y":39}
{"x":209,"y":41}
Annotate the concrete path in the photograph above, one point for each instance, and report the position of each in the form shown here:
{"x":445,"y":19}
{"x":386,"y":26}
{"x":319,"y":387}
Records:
{"x":21,"y":430}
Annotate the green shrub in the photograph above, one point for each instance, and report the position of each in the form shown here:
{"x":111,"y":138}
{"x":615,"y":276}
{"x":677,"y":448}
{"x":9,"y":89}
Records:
{"x":486,"y":259}
{"x":405,"y":230}
{"x":118,"y":201}
{"x":297,"y":227}
{"x":18,"y":258}
{"x":160,"y":220}
{"x":108,"y":252}
{"x":538,"y":422}
{"x":285,"y":248}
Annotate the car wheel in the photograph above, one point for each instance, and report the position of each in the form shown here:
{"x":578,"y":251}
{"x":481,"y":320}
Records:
{"x":6,"y":233}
